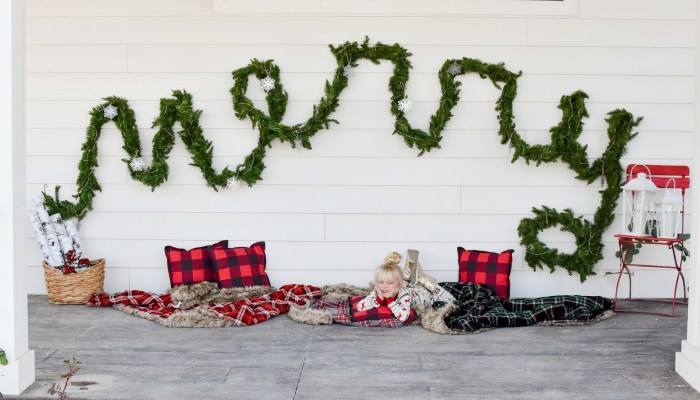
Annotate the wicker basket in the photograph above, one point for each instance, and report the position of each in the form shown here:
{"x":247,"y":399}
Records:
{"x":74,"y":288}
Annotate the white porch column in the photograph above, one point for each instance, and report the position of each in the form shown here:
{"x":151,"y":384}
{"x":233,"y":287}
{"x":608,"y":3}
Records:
{"x":688,"y":359}
{"x":19,"y":373}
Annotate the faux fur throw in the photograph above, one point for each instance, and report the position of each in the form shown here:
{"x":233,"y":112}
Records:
{"x":342,"y":291}
{"x":476,"y":310}
{"x":204,"y":305}
{"x":428,"y":318}
{"x":209,"y":292}
{"x":306,"y":314}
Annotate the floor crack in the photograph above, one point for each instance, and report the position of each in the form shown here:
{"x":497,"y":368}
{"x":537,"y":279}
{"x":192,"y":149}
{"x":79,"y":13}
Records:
{"x":49,"y":356}
{"x":228,"y":373}
{"x":303,"y":363}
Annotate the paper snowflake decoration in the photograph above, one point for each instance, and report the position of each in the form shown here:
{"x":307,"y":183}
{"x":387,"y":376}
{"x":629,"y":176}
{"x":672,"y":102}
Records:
{"x":233,"y":183}
{"x":405,"y":105}
{"x":347,"y":70}
{"x":454,"y":69}
{"x":137,"y":164}
{"x":267,"y":83}
{"x":111,"y":111}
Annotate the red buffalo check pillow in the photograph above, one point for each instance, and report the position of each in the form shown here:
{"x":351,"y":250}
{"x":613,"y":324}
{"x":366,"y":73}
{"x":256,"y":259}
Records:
{"x":486,"y":268}
{"x":240,"y":266}
{"x":187,"y":267}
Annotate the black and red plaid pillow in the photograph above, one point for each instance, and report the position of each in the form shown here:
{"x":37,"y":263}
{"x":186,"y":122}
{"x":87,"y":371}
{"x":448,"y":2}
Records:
{"x":375,"y":314}
{"x":486,"y":268}
{"x":187,"y":267}
{"x":240,"y":266}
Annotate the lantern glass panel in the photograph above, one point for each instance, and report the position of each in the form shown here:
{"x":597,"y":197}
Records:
{"x":636,"y":213}
{"x":637,"y":202}
{"x":668,"y":216}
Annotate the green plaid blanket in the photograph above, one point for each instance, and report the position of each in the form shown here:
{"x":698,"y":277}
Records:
{"x":478,"y":308}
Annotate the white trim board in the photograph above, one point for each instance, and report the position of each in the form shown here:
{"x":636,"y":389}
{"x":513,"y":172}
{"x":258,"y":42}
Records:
{"x":407,"y":7}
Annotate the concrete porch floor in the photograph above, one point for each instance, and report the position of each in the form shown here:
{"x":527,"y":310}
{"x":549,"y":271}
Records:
{"x":630,"y":356}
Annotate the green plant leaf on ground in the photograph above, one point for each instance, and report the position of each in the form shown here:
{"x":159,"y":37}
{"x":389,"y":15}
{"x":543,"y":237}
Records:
{"x":59,"y":390}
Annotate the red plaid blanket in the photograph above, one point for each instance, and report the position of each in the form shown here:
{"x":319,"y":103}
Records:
{"x":240,"y":312}
{"x":342,"y":313}
{"x":380,"y":313}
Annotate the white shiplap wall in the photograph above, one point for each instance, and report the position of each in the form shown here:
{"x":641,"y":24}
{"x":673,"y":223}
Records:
{"x":330,"y":215}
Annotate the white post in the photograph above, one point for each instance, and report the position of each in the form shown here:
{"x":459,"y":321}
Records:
{"x":18,"y":374}
{"x":688,"y":359}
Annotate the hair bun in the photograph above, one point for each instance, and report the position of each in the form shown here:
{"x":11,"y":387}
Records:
{"x":393,"y":257}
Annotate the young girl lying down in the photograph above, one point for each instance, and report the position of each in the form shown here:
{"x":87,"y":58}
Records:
{"x":391,"y":290}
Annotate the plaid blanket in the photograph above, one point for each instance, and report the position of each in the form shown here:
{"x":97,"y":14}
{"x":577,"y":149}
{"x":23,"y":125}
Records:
{"x":478,"y":308}
{"x":342,"y":313}
{"x":243,"y":312}
{"x":380,"y":313}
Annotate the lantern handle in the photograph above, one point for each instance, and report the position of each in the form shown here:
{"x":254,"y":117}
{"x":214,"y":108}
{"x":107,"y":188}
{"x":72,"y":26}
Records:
{"x":637,"y":165}
{"x":669,"y":181}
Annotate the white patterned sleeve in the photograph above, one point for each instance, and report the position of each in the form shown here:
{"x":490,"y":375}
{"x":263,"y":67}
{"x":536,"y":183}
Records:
{"x":401,"y":307}
{"x":368,"y":303}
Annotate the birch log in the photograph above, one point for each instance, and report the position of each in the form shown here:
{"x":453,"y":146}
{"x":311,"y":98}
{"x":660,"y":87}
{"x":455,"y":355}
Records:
{"x":40,"y":234}
{"x":51,"y":237}
{"x":72,"y":230}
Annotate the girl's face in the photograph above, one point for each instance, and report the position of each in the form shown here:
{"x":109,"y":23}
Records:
{"x":387,"y":287}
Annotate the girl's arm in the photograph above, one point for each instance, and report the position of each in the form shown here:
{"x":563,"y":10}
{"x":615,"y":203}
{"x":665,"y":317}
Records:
{"x":401,"y":307}
{"x":368,"y":303}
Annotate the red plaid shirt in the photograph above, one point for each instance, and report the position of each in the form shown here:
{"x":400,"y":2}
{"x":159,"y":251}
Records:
{"x":400,"y":307}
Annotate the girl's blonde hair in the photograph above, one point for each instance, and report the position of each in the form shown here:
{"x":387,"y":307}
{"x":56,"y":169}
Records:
{"x":390,"y":270}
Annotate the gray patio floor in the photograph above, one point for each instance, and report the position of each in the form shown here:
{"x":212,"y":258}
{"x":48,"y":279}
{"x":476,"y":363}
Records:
{"x":630,"y":356}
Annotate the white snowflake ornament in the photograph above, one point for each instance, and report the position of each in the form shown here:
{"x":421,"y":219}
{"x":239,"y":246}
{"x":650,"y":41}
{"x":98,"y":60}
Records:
{"x":267,"y":83}
{"x":137,"y":164}
{"x":233,"y":183}
{"x":111,"y":111}
{"x":347,"y":70}
{"x":454,"y":69}
{"x":405,"y":105}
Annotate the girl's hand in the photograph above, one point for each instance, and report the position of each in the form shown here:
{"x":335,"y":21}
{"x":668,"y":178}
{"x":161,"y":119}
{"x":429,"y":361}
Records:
{"x":394,"y":294}
{"x":378,"y":293}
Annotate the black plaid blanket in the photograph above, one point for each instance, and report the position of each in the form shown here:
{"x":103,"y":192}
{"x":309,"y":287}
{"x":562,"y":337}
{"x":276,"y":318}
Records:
{"x":478,"y":308}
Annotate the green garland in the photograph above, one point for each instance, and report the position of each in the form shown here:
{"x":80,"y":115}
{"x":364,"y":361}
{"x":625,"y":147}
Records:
{"x":564,"y":144}
{"x":588,"y":235}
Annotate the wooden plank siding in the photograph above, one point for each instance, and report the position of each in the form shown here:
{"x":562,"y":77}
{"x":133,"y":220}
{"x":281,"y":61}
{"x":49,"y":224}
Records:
{"x":330,"y":214}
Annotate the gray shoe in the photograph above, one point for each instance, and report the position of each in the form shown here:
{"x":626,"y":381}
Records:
{"x":410,"y":272}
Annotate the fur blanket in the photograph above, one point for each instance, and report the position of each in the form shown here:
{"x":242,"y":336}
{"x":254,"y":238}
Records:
{"x":205,"y":305}
{"x":429,"y":318}
{"x":475,"y":310}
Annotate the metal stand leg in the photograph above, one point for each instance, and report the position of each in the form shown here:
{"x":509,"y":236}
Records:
{"x":623,"y":267}
{"x":678,"y":266}
{"x":626,"y":246}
